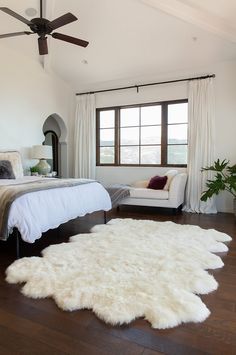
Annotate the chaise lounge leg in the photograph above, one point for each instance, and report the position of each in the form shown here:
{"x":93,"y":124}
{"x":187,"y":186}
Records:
{"x":179,"y":209}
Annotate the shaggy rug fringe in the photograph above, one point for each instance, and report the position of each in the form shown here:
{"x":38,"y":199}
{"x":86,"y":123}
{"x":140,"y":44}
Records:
{"x":128,"y":269}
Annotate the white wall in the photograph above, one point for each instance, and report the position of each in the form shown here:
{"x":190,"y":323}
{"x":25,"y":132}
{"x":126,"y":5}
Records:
{"x":225,"y":91}
{"x":28,"y":95}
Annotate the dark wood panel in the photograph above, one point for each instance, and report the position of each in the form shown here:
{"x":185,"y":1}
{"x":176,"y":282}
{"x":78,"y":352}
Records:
{"x":29,"y":326}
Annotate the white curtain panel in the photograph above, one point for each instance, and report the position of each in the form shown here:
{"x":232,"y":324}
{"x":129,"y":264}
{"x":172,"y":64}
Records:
{"x":201,"y":139}
{"x":85,"y":137}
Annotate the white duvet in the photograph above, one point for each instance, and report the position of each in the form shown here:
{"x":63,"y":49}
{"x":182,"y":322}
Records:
{"x":36,"y":212}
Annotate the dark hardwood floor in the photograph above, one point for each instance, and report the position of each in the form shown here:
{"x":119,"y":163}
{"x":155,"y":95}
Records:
{"x":30,"y":326}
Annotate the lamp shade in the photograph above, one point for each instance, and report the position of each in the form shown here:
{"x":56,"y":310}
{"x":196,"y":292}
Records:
{"x":41,"y":152}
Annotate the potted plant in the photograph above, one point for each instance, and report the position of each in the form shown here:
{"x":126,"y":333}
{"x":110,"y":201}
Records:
{"x":225,"y":179}
{"x":34,"y":171}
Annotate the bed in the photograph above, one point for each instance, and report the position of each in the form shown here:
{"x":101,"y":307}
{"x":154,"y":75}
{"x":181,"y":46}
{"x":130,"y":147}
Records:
{"x":33,"y":205}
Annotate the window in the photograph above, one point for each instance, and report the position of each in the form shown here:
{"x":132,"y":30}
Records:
{"x":143,"y":135}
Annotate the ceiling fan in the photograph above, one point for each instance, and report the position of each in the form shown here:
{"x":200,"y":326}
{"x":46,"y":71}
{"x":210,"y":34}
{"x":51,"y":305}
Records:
{"x":43,"y":27}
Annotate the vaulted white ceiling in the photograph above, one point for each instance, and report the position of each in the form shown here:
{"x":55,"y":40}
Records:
{"x":130,"y":38}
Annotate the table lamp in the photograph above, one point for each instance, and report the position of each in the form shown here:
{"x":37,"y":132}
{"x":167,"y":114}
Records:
{"x":42,"y":152}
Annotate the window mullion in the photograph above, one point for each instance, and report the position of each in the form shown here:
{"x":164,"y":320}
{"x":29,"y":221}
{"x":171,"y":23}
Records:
{"x":117,"y":136}
{"x":164,"y":133}
{"x":98,"y":137}
{"x":139,"y":135}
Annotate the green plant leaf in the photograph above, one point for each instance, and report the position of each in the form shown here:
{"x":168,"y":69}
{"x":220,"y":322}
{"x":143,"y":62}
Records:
{"x":224,"y":179}
{"x":232,"y":169}
{"x":218,"y":166}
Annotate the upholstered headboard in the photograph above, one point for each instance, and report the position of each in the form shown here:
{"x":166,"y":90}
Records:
{"x":15,"y":158}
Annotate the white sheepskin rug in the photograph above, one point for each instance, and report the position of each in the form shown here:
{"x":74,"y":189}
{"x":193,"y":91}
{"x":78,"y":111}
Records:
{"x":128,"y":269}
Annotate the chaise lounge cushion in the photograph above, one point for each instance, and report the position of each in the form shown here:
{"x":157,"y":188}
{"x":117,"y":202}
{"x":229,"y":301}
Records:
{"x":170,"y":175}
{"x":149,"y":193}
{"x":140,"y":183}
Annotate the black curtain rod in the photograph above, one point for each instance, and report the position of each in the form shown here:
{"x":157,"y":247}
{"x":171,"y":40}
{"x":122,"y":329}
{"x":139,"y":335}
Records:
{"x":144,"y":85}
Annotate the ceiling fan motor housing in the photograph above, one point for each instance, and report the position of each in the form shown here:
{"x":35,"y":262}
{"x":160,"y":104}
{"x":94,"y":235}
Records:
{"x":41,"y":26}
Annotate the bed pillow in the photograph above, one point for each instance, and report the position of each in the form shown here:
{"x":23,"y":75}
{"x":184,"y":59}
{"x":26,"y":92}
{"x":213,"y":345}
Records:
{"x":6,"y":171}
{"x":157,"y":182}
{"x":170,"y":175}
{"x":15,"y":159}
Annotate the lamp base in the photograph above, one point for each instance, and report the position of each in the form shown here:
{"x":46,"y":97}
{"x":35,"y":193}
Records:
{"x":43,"y":167}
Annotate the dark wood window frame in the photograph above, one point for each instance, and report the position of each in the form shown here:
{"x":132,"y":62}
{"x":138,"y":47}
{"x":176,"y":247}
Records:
{"x":164,"y":134}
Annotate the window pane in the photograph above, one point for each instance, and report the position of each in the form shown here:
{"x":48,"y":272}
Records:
{"x":107,"y":155}
{"x":107,"y":119}
{"x":129,"y":136}
{"x":178,"y":113}
{"x":151,"y":135}
{"x":129,"y":155}
{"x":151,"y":155}
{"x":151,"y":115}
{"x":177,"y":154}
{"x":177,"y":134}
{"x":107,"y":137}
{"x":129,"y":117}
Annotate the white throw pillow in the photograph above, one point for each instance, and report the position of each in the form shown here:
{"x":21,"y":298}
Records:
{"x":141,"y":183}
{"x":15,"y":159}
{"x":170,"y":175}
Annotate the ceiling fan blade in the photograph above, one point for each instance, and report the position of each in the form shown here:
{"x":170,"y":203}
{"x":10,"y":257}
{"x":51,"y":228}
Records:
{"x":62,"y":21}
{"x":14,"y":34}
{"x":43,"y":45}
{"x":73,"y":40}
{"x":14,"y":14}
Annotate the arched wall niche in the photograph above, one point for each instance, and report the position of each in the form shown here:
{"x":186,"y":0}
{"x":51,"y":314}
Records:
{"x":55,"y":124}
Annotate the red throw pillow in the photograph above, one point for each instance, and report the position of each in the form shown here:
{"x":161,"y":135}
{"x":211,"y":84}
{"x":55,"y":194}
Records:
{"x":157,"y":182}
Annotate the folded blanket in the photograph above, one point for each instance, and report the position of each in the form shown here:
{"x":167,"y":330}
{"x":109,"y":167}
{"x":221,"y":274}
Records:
{"x":117,"y":193}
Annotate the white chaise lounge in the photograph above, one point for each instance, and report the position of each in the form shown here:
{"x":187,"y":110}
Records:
{"x":171,"y":198}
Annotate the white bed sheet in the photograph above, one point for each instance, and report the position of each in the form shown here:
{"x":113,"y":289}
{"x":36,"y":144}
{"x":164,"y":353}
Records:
{"x":36,"y":212}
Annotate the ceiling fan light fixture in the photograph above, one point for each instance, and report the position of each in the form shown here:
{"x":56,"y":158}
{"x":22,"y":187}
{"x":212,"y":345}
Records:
{"x":31,"y":12}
